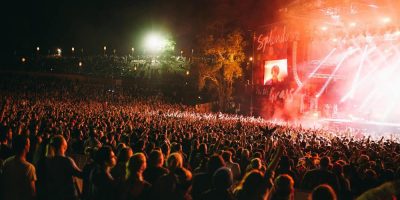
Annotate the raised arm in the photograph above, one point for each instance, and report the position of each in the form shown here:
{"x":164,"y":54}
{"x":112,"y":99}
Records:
{"x":276,"y":157}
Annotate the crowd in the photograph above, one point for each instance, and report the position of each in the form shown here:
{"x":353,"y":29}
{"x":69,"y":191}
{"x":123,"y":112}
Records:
{"x":110,"y":65}
{"x":65,"y":140}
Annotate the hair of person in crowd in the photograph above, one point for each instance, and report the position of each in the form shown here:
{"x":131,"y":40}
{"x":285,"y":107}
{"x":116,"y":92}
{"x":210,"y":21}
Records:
{"x":174,"y":161}
{"x":283,"y":188}
{"x":124,"y":154}
{"x":136,"y":166}
{"x":252,"y":184}
{"x":215,"y":162}
{"x":59,"y":144}
{"x":323,"y":192}
{"x":105,"y":157}
{"x":21,"y":144}
{"x":156,"y":158}
{"x":223,"y":178}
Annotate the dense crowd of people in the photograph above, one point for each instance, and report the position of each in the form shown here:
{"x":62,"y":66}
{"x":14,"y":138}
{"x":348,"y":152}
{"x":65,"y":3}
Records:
{"x":107,"y":65}
{"x":66,"y":140}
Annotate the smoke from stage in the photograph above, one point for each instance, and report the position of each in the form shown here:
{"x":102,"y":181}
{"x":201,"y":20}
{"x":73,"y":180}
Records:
{"x":342,"y":64}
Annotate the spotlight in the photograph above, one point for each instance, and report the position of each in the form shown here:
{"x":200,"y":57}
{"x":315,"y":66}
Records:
{"x":324,"y":28}
{"x":386,"y":20}
{"x":58,"y":51}
{"x":352,"y":24}
{"x":155,"y":42}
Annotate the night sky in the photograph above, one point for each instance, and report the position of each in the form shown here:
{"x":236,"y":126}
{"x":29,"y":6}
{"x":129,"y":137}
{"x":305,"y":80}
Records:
{"x":120,"y":24}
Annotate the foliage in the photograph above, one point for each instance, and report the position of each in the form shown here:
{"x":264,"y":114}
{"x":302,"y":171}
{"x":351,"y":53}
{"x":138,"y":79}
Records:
{"x":220,"y":62}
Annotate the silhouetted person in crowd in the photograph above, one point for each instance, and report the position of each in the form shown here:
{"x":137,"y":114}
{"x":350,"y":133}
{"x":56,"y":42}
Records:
{"x":222,"y":181}
{"x":119,"y":171}
{"x":370,"y":180}
{"x":235,"y":168}
{"x":244,"y":160}
{"x":5,"y":143}
{"x":252,"y":187}
{"x":135,"y":187}
{"x":19,"y":176}
{"x":155,"y":168}
{"x":60,"y":172}
{"x":199,"y":157}
{"x":285,"y":167}
{"x":316,"y":177}
{"x":174,"y":185}
{"x":102,"y":184}
{"x":283,"y":188}
{"x":92,"y":141}
{"x":323,"y":192}
{"x":203,"y":181}
{"x":345,"y":188}
{"x":87,"y":169}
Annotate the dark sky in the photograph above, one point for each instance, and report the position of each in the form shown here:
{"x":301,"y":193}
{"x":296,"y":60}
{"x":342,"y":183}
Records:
{"x":121,"y":24}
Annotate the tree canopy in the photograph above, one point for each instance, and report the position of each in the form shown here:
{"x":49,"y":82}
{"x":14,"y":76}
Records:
{"x":222,"y":55}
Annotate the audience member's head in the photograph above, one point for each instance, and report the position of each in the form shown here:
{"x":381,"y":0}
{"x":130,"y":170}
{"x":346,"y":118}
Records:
{"x":253,"y":184}
{"x":125,"y":154}
{"x":21,"y":144}
{"x":59,"y":144}
{"x":283,"y":188}
{"x":136,"y":165}
{"x":174,"y":161}
{"x":156,"y":158}
{"x":222,"y":178}
{"x":215,"y":163}
{"x":323,"y":192}
{"x":105,"y":157}
{"x":325,"y":162}
{"x":227,"y":156}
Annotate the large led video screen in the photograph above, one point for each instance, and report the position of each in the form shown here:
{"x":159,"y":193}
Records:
{"x":275,"y":71}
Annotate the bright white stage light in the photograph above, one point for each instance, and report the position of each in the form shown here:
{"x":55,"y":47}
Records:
{"x":155,"y":42}
{"x":386,"y":20}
